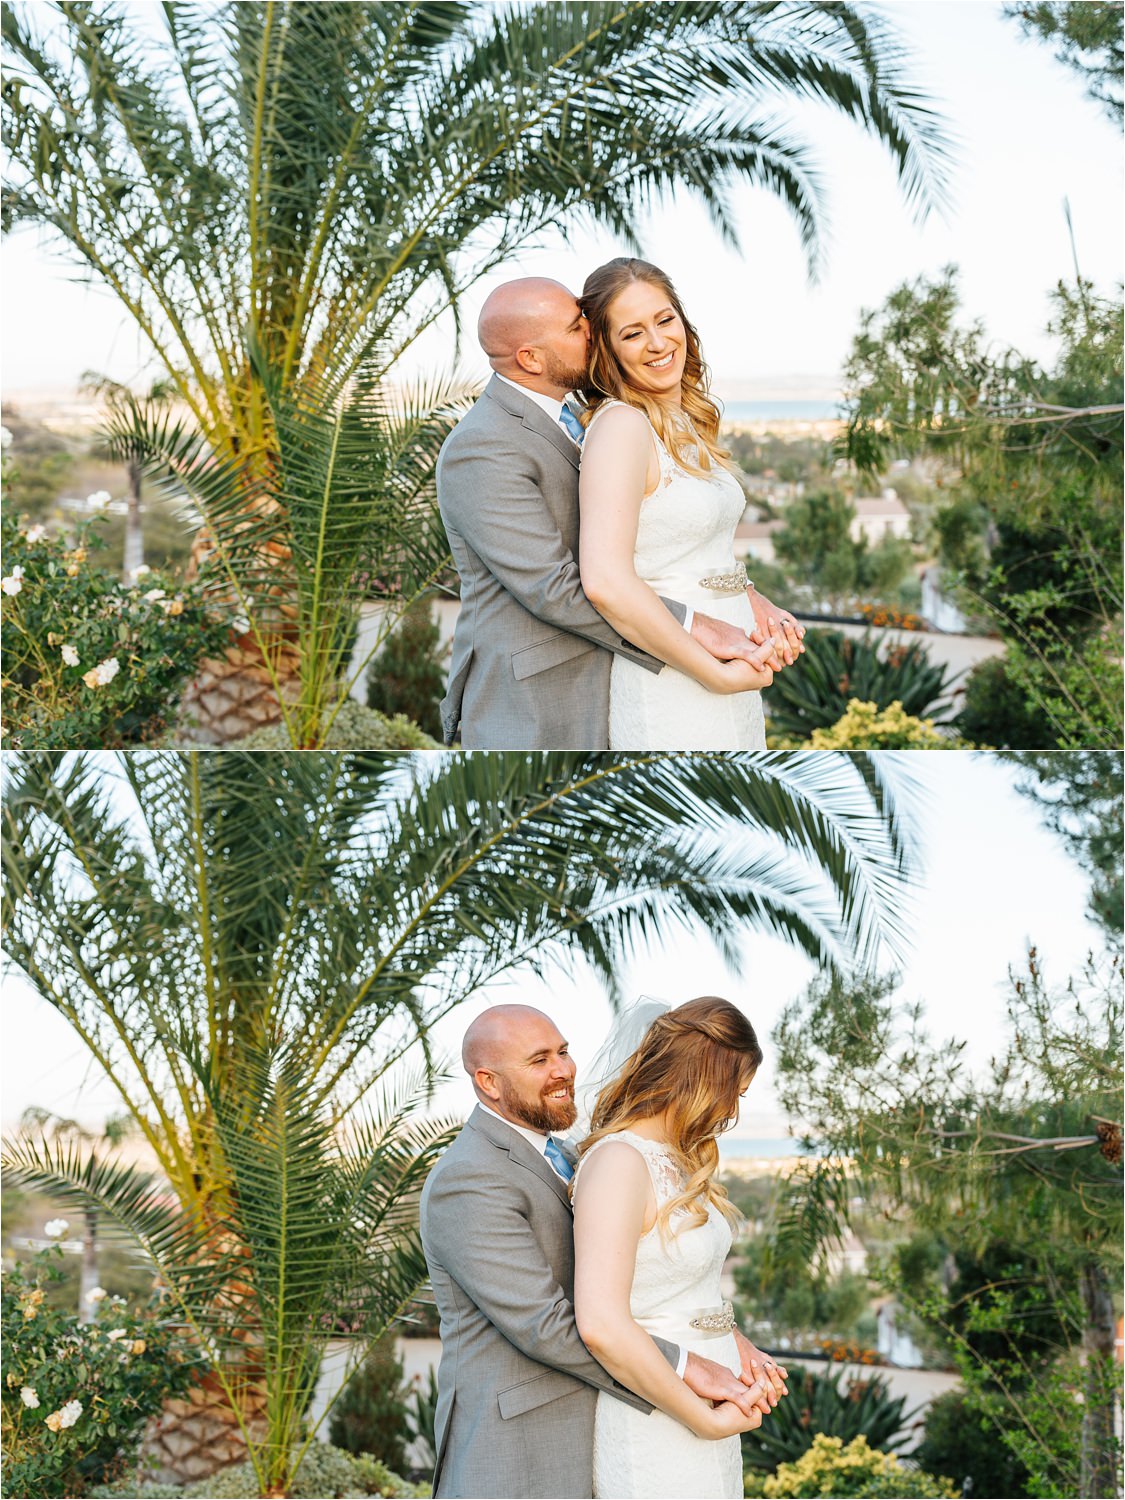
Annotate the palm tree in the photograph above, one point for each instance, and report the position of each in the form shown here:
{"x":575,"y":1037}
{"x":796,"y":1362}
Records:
{"x":54,"y":1127}
{"x":320,"y":1241}
{"x":320,"y":182}
{"x":190,"y":914}
{"x":121,"y":401}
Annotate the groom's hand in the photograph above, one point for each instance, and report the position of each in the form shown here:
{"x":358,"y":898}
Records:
{"x":727,"y":642}
{"x":715,"y":1382}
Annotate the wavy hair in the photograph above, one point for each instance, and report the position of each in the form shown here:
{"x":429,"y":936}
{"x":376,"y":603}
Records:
{"x":693,"y":444}
{"x":692,"y":1065}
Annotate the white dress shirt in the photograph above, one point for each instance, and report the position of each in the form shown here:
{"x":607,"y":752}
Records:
{"x":538,"y":1140}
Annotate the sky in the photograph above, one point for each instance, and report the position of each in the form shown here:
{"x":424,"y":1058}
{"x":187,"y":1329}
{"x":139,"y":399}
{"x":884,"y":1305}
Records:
{"x":992,"y":880}
{"x":1027,"y":138}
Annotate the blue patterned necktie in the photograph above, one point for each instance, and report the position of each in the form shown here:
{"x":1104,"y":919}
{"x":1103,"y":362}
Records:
{"x":554,"y":1155}
{"x":570,"y":421}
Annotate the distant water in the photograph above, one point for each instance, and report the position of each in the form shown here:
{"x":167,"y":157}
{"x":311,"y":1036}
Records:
{"x":734,"y":1146}
{"x":781,"y":411}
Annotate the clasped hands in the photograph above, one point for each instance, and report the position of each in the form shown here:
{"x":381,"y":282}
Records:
{"x":742,"y":1399}
{"x":775,"y":642}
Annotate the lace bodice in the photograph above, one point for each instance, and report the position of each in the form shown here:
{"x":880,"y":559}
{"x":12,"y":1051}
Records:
{"x":686,"y":527}
{"x":678,"y":1271}
{"x":685,"y":533}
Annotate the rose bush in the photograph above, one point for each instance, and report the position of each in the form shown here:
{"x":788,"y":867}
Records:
{"x":76,"y":1395}
{"x":89,"y":660}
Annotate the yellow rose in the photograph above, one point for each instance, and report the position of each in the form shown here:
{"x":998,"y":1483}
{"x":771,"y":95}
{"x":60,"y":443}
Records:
{"x":138,"y":1346}
{"x":72,"y":571}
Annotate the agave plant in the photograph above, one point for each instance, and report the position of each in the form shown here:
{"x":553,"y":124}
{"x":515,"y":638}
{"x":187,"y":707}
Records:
{"x":838,"y":669}
{"x":820,"y":1404}
{"x":327,"y":177}
{"x":315,"y":1239}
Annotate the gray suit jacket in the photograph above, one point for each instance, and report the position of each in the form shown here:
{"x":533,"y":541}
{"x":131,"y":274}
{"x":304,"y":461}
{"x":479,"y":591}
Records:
{"x":531,"y":654}
{"x":517,"y":1386}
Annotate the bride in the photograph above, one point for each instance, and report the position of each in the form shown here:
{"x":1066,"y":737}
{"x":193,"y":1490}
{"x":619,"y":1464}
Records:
{"x":659,"y":509}
{"x":652,"y":1229}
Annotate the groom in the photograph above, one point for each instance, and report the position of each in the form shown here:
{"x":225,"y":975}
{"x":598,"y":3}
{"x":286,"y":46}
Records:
{"x":517,"y":1387}
{"x":531,"y":655}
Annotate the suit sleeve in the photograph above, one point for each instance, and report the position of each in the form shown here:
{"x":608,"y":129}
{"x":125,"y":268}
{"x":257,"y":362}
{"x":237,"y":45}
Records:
{"x":500,"y":1268}
{"x":499,"y":511}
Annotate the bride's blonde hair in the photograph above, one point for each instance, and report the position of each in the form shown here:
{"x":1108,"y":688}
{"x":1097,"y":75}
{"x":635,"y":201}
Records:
{"x":695,"y":444}
{"x":692,"y":1065}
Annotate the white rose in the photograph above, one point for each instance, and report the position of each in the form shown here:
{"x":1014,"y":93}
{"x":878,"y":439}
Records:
{"x":141,"y":571}
{"x":29,"y":1396}
{"x":5,"y":437}
{"x":70,"y":655}
{"x":54,"y":1229}
{"x":153,"y":595}
{"x":14,"y":581}
{"x":96,"y":1294}
{"x":104,"y":672}
{"x":36,"y":534}
{"x":98,"y":500}
{"x":114,"y":1334}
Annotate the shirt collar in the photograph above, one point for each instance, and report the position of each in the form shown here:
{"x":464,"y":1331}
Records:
{"x":534,"y":1137}
{"x":553,"y":408}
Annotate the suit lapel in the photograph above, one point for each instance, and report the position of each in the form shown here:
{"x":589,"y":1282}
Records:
{"x":520,"y":1152}
{"x":533,"y":417}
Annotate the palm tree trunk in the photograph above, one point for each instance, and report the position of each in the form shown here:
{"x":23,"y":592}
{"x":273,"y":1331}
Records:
{"x":88,"y":1280}
{"x":1099,"y":1442}
{"x":134,"y":535}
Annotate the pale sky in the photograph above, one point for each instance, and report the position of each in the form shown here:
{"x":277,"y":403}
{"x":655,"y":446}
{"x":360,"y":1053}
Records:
{"x":1028,"y":138}
{"x":993,"y":880}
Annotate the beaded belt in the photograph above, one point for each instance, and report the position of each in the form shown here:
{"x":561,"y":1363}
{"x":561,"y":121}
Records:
{"x":713,"y":1319}
{"x":726,"y":583}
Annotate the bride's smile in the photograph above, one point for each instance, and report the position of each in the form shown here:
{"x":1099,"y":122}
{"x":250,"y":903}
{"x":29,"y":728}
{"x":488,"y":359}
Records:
{"x":649,"y":340}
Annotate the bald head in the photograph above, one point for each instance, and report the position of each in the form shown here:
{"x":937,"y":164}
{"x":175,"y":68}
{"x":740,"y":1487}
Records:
{"x":534,"y":333}
{"x":501,"y":1033}
{"x":520,"y":1066}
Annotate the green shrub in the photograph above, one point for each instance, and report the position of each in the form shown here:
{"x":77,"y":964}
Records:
{"x":828,"y":1467}
{"x":422,"y":1417}
{"x":968,"y":1445}
{"x":77,"y":1395}
{"x":370,"y":1414}
{"x":325,"y":1472}
{"x":89,"y":660}
{"x":407,"y":677}
{"x":868,"y":727}
{"x":354,"y":728}
{"x":835,"y":669}
{"x":995,"y":710}
{"x":820,"y":1404}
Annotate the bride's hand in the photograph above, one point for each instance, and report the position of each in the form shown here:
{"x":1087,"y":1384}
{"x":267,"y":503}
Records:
{"x":727,"y":1420}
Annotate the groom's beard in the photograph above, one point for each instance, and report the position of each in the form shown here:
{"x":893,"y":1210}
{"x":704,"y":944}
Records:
{"x":566,"y":377}
{"x":542,"y":1114}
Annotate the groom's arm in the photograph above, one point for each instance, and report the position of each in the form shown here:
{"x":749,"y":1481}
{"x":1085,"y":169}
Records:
{"x":483,"y":1240}
{"x":496,"y":506}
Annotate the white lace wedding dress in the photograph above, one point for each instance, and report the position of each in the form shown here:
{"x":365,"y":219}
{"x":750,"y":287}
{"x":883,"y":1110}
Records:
{"x":685,"y":533}
{"x":645,"y":1457}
